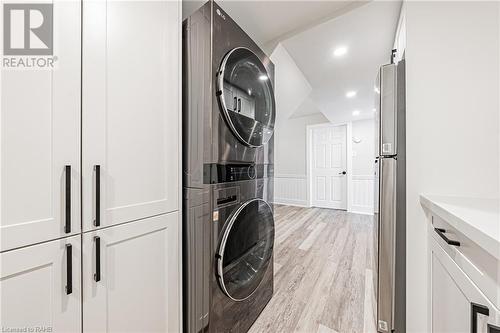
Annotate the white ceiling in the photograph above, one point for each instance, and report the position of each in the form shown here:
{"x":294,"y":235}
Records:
{"x":368,"y":32}
{"x":270,"y":21}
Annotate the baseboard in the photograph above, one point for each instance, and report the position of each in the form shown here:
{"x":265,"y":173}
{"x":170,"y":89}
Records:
{"x":365,"y":210}
{"x":290,"y":202}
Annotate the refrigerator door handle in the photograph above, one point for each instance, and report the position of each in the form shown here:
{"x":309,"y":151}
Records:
{"x":387,"y":245}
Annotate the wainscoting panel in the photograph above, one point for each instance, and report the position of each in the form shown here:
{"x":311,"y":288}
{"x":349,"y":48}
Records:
{"x":362,"y":194}
{"x":290,"y":190}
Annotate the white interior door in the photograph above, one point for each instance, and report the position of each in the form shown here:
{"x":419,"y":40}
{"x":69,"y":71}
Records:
{"x":131,"y":277}
{"x":130,"y":111}
{"x":40,"y":287}
{"x":40,"y":136}
{"x":329,"y":167}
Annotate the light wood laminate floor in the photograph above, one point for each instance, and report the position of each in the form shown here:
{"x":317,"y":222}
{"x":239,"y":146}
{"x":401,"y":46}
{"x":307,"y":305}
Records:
{"x":323,"y":273}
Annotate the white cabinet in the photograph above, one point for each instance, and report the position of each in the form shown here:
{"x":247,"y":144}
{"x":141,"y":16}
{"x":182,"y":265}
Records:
{"x":34,"y":287}
{"x":445,"y":292}
{"x":130,"y":111}
{"x":138,"y":267}
{"x":107,"y":115}
{"x":40,"y":136}
{"x":455,"y":299}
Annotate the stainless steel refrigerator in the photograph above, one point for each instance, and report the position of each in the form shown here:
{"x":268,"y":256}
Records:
{"x":390,"y":194}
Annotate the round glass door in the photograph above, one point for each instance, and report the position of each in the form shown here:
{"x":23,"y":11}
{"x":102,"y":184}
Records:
{"x":246,"y":97}
{"x":245,"y":250}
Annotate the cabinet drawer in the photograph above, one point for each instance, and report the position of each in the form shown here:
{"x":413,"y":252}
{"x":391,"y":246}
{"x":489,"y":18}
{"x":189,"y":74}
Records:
{"x":481,"y":267}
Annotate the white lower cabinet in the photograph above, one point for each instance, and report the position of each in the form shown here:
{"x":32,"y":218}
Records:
{"x":40,"y":287}
{"x":450,"y":306}
{"x":131,"y":277}
{"x":457,"y":304}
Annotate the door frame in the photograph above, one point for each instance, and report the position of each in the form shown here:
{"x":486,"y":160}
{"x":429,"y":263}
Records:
{"x":309,"y":142}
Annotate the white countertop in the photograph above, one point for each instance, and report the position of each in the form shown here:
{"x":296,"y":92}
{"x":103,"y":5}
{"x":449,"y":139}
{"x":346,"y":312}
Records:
{"x":477,"y":218}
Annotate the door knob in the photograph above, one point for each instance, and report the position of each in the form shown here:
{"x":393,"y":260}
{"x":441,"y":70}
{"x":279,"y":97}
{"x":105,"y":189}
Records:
{"x":342,"y":173}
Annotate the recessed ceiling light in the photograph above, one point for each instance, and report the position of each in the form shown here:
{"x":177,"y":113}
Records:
{"x":355,"y":113}
{"x":374,"y":110}
{"x":263,"y":77}
{"x":350,"y":94}
{"x":340,"y":51}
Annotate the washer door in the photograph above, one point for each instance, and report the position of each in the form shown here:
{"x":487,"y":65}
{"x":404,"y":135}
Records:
{"x":246,"y":97}
{"x":245,"y":250}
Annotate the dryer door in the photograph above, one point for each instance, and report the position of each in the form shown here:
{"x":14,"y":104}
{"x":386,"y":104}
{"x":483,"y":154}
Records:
{"x":246,"y":97}
{"x":245,"y":250}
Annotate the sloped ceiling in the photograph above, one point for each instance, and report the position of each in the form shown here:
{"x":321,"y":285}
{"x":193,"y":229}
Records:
{"x":291,"y":86}
{"x":368,"y":33}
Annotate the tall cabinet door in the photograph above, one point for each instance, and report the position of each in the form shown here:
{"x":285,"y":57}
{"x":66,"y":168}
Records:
{"x":40,"y":287}
{"x":40,"y":141}
{"x":131,"y":75}
{"x":131,"y":277}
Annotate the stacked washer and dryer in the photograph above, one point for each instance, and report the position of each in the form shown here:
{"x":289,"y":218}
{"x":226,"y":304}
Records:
{"x":228,"y":123}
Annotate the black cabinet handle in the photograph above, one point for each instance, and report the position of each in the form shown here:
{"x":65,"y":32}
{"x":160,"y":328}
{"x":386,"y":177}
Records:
{"x":239,"y":104}
{"x":235,"y":104}
{"x":97,"y":219}
{"x":69,"y":269}
{"x":97,"y":274}
{"x":493,"y":329}
{"x":476,"y":309}
{"x":441,"y":233}
{"x":67,"y":225}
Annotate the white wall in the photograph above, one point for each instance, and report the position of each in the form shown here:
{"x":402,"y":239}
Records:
{"x":400,"y":38}
{"x":290,"y":144}
{"x":363,"y":157}
{"x":292,"y":90}
{"x":363,"y":153}
{"x":452,"y":59}
{"x":290,"y":182}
